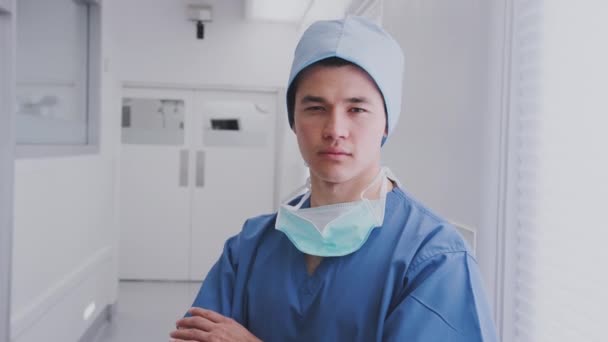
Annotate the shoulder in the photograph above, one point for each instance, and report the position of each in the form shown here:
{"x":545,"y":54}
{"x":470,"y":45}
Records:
{"x":439,"y":264}
{"x":423,"y":235}
{"x":253,"y":231}
{"x":256,"y":226}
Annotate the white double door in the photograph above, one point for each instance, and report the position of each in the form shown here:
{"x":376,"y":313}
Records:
{"x":185,"y":190}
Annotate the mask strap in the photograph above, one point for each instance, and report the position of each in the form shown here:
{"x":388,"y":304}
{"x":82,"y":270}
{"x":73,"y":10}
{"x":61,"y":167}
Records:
{"x":299,"y":192}
{"x":303,"y":199}
{"x":383,"y":190}
{"x":378,"y":176}
{"x":391,"y":176}
{"x":384,"y":171}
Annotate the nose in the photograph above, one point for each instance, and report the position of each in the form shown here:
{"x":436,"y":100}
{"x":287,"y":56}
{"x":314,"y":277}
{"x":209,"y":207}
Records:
{"x":336,"y":125}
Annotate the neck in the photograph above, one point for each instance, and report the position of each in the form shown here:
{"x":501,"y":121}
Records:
{"x":326,"y":192}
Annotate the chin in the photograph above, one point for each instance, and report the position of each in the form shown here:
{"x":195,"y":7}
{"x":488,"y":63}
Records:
{"x":333,"y":173}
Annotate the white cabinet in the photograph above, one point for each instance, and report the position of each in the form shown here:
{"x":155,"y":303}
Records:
{"x":194,"y":165}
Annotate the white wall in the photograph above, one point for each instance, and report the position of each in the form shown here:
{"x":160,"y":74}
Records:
{"x":157,"y":43}
{"x":160,"y":46}
{"x":64,"y":249}
{"x":7,"y":143}
{"x":442,"y":148}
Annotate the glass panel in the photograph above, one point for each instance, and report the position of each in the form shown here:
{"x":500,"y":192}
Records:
{"x":225,"y":124}
{"x":153,"y":121}
{"x":234,"y":123}
{"x":52,"y":54}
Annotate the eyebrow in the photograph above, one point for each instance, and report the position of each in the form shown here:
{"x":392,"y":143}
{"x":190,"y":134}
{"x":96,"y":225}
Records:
{"x":313,"y":99}
{"x":319,"y":99}
{"x":359,"y":99}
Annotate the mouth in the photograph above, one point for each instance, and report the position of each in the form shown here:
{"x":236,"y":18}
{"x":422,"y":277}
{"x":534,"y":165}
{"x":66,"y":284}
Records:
{"x":334,"y":153}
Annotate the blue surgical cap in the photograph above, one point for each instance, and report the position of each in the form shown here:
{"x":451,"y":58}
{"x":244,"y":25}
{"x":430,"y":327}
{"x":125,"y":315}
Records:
{"x":363,"y":43}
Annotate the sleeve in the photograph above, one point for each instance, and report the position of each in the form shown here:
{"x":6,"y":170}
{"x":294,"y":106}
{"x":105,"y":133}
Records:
{"x":217,"y":291}
{"x":443,"y":300}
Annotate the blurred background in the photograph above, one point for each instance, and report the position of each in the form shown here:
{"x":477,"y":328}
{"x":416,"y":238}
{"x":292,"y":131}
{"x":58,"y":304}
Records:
{"x":137,"y":136}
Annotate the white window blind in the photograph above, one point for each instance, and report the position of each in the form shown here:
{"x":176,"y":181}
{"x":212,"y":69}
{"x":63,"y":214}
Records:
{"x":560,"y":118}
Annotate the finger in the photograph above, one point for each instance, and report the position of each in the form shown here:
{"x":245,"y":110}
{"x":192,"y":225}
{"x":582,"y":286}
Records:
{"x":208,"y":314}
{"x":194,"y":322}
{"x":190,"y":335}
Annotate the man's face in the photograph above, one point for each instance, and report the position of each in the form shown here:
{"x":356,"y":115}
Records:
{"x":339,"y":122}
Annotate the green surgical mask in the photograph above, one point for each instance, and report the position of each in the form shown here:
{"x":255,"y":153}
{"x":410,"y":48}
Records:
{"x":337,"y":229}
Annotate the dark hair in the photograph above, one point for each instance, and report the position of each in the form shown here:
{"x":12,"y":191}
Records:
{"x":330,"y":62}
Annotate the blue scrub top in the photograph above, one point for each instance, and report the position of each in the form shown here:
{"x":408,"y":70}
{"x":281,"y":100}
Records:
{"x":413,"y":280}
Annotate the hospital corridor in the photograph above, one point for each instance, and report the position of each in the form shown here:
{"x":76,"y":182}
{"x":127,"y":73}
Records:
{"x":303,"y":170}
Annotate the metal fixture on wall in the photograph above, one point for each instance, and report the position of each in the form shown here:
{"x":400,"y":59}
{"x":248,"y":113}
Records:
{"x":200,"y":14}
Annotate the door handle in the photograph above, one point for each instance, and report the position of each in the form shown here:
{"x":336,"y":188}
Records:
{"x":183,"y":168}
{"x":200,"y":169}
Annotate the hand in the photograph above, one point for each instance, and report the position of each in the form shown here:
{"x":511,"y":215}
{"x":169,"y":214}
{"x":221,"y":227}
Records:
{"x":207,"y":325}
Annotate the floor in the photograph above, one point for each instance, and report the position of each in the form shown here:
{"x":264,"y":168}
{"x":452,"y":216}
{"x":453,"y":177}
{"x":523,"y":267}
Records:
{"x":147,"y":311}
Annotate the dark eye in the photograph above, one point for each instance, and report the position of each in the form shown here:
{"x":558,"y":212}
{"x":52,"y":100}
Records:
{"x":314,"y":108}
{"x":357,"y":110}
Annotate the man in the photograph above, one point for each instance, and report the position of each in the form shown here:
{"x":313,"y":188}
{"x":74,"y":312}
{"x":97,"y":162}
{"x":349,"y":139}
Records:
{"x":355,"y":258}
